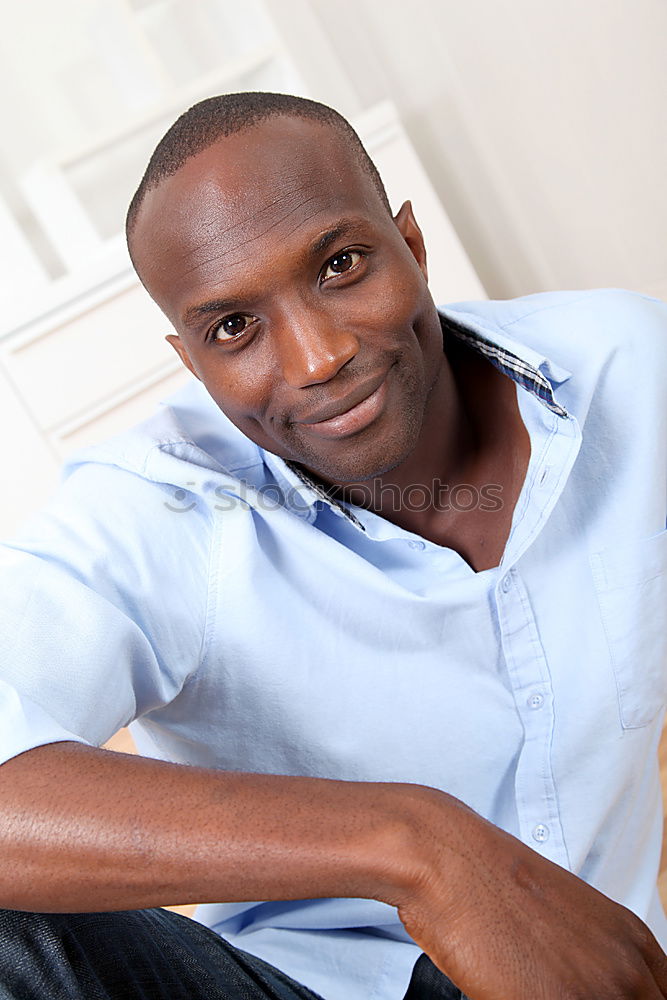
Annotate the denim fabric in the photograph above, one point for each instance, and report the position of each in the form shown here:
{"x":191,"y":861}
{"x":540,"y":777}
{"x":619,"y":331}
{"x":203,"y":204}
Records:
{"x":133,"y":955}
{"x":428,"y":983}
{"x":148,"y":955}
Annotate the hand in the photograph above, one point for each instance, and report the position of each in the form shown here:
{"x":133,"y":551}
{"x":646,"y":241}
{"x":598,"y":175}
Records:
{"x":506,"y":924}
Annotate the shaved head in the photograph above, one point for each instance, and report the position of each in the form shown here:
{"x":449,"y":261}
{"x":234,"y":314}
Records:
{"x":294,"y":294}
{"x":211,"y":120}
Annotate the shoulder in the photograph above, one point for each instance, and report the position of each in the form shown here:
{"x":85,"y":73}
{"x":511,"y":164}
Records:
{"x":575,"y":326}
{"x":597,"y":347}
{"x":187,"y":429}
{"x":143,"y":500}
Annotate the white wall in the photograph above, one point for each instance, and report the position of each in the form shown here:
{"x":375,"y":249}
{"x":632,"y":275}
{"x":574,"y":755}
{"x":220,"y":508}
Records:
{"x":83,"y":367}
{"x":541,"y":124}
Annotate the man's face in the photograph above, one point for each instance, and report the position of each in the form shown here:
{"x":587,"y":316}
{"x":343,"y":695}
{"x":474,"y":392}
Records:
{"x":298,"y":301}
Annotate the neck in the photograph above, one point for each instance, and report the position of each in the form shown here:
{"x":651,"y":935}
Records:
{"x":469,"y":443}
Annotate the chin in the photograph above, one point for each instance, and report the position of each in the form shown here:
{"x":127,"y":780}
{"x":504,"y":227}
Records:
{"x":354,"y":462}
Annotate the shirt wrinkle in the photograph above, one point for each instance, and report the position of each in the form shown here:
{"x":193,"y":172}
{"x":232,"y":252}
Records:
{"x":278,"y":638}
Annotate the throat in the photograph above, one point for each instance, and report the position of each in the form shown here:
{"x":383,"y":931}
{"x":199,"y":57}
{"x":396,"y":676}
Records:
{"x":471,"y":507}
{"x":474,"y":516}
{"x":459,"y":487}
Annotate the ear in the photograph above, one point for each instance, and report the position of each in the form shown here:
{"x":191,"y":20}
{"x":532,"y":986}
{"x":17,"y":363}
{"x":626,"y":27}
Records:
{"x":179,"y":347}
{"x":412,"y":234}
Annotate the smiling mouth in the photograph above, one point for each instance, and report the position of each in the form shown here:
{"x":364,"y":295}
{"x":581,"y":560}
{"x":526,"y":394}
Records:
{"x":352,"y":413}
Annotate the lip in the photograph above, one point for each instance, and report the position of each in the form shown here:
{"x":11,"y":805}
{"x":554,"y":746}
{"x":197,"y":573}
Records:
{"x":352,"y":413}
{"x":345,"y":403}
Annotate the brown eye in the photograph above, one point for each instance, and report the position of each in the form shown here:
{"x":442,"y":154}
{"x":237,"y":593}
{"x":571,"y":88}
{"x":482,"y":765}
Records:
{"x":231,"y":326}
{"x":341,"y":263}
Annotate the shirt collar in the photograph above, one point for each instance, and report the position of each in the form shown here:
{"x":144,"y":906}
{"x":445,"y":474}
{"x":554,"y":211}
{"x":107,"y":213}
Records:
{"x":534,"y":372}
{"x":301,"y":491}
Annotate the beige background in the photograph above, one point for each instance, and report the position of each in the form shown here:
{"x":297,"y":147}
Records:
{"x":542,"y":126}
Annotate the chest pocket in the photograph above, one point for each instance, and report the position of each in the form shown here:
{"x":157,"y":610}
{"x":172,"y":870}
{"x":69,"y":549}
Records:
{"x":631,"y":585}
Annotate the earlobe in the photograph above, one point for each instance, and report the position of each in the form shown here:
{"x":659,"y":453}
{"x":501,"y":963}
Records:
{"x":412,"y":234}
{"x":177,"y":344}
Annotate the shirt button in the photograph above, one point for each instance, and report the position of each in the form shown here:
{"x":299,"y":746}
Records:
{"x":543,"y":477}
{"x":540,"y":833}
{"x":535,"y":700}
{"x":506,"y":584}
{"x":414,"y":544}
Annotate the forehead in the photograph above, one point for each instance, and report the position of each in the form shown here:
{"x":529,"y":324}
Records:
{"x":245,"y":194}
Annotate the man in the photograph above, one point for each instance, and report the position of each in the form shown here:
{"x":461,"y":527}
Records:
{"x":414,"y":723}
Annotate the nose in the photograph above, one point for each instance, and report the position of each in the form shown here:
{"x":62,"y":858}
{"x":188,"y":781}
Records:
{"x":313,"y":347}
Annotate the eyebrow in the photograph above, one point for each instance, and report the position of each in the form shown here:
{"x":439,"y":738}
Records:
{"x":323,"y":242}
{"x":319,"y":245}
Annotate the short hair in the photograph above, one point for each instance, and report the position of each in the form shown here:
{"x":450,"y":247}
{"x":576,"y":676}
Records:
{"x":216,"y":117}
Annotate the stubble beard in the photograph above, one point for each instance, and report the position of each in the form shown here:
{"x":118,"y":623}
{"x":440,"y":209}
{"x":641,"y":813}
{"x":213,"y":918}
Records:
{"x":370,"y":453}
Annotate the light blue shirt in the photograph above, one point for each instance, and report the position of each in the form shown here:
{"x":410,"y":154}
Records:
{"x":187,"y":580}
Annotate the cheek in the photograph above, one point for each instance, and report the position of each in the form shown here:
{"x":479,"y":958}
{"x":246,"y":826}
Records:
{"x":401,"y":299}
{"x":246,"y":418}
{"x":386,"y":304}
{"x":243,"y":393}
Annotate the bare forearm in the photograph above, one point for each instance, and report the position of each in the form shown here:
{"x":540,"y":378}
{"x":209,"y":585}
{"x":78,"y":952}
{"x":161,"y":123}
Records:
{"x":84,"y":829}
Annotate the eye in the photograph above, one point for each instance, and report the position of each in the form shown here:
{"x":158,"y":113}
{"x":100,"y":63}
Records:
{"x":347,"y":260}
{"x":231,"y":326}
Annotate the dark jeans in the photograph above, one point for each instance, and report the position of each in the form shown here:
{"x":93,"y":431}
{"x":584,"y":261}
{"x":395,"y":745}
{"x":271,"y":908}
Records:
{"x":148,"y":955}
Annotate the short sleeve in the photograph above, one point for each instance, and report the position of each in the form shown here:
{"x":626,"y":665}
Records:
{"x":25,"y":725}
{"x":103,"y":609}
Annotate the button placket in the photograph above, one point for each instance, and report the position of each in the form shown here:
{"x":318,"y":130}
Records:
{"x":528,"y":671}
